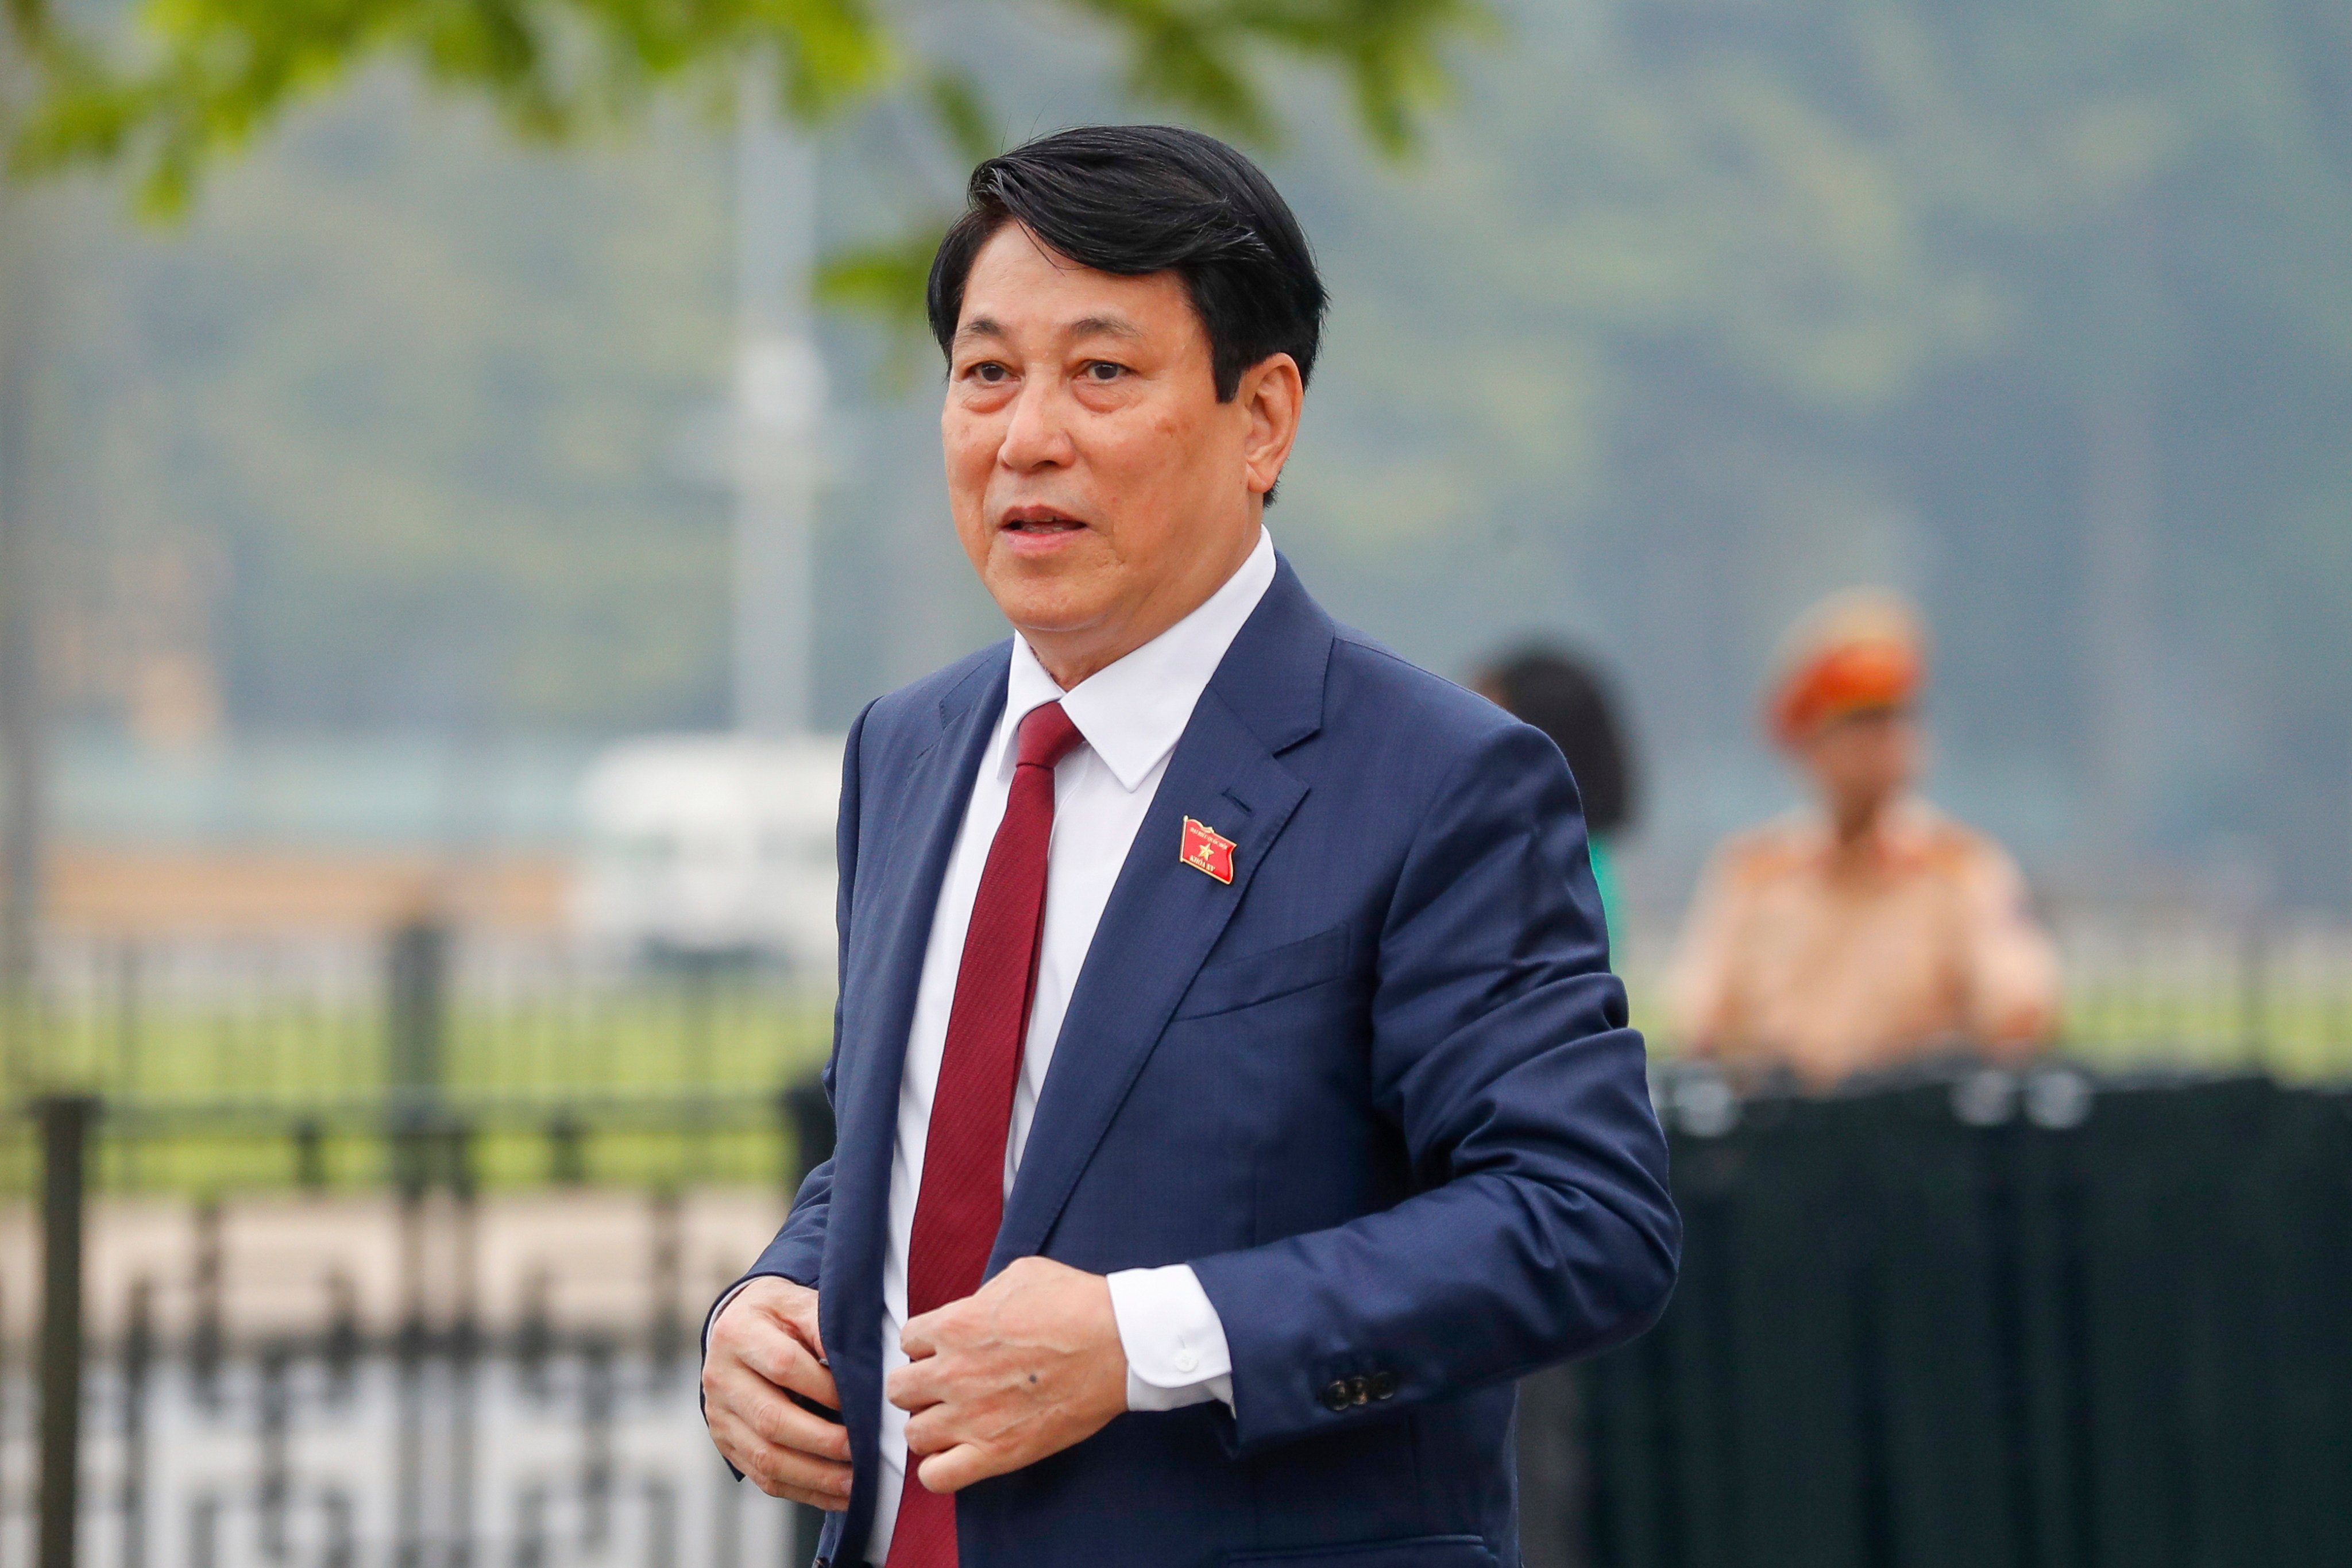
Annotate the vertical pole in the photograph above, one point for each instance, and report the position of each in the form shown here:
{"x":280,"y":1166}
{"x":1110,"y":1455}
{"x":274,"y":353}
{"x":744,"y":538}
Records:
{"x":274,"y":1490}
{"x":408,"y":1430}
{"x":2253,"y":982}
{"x":7,"y":1480}
{"x":2335,"y":976}
{"x":814,"y":1134}
{"x":23,"y":729}
{"x":22,"y":734}
{"x":128,"y":981}
{"x":665,"y":1330}
{"x":416,"y":983}
{"x":701,"y":980}
{"x":810,"y":1115}
{"x":465,"y":1353}
{"x":780,"y":394}
{"x":138,"y":1353}
{"x":418,"y":987}
{"x":207,"y":1289}
{"x":64,"y":1132}
{"x":597,"y":1456}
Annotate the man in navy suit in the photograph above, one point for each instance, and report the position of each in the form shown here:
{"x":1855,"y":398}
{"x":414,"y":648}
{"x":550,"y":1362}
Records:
{"x":1233,"y":1095}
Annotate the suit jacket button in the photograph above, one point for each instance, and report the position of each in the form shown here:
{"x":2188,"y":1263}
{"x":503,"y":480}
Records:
{"x":1359,"y":1390}
{"x":1339,"y":1396}
{"x":1385,"y":1386}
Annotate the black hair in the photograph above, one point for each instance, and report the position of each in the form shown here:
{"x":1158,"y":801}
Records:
{"x":1134,"y":199}
{"x":1567,"y":698}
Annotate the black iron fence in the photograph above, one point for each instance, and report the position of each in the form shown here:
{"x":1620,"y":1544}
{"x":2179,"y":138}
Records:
{"x":410,"y":1372}
{"x":2042,"y":1321}
{"x":404,"y":1268}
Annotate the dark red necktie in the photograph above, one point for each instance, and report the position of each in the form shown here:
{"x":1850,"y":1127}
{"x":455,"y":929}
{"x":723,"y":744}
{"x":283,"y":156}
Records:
{"x":960,"y":1203}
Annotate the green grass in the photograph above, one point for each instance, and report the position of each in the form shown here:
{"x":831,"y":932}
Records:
{"x":2296,"y":1026}
{"x":674,"y":1081}
{"x":649,"y":1038}
{"x":655,"y":1084}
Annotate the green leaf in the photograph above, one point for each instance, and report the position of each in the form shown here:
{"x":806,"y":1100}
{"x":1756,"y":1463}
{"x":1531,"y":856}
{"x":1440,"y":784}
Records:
{"x":963,"y":114}
{"x":887,"y":280}
{"x":206,"y":77}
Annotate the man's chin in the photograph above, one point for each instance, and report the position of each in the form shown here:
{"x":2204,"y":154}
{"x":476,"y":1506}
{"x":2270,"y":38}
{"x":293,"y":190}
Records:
{"x":1063,"y":590}
{"x":1048,"y":609}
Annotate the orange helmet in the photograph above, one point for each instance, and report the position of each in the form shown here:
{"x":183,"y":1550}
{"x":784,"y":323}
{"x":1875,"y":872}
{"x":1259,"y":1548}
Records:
{"x":1860,"y":649}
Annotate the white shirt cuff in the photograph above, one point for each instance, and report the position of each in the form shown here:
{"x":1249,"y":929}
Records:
{"x":1174,"y":1341}
{"x":710,"y":1319}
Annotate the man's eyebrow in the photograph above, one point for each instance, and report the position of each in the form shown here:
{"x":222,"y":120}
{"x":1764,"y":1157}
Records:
{"x":1084,"y":326}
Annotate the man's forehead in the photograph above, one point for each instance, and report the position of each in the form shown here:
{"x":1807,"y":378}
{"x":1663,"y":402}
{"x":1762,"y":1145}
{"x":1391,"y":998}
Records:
{"x":1019,"y":284}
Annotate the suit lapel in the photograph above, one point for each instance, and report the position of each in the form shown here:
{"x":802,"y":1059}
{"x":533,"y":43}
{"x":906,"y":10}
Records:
{"x":912,"y":836}
{"x":935,"y":792}
{"x":1164,"y":916}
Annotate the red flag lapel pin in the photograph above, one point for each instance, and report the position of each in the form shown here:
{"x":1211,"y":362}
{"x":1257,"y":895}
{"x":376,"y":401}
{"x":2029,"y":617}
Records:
{"x":1206,"y":849}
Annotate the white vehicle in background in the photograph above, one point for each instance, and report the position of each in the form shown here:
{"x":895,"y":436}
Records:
{"x":707,"y":848}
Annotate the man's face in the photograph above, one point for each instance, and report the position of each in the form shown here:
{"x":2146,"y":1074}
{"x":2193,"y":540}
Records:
{"x":1863,"y":761}
{"x":1100,"y":489}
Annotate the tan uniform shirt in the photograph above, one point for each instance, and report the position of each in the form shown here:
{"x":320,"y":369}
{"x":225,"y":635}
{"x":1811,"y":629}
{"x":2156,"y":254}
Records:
{"x":1918,"y":939}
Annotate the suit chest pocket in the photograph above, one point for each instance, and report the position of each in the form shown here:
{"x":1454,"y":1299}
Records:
{"x":1235,"y":983}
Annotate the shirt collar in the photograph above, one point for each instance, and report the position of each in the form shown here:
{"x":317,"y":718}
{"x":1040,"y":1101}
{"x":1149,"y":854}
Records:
{"x":1133,"y":713}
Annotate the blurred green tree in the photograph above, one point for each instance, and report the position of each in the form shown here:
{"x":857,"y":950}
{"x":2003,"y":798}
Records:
{"x":2044,"y":310}
{"x":201,"y":78}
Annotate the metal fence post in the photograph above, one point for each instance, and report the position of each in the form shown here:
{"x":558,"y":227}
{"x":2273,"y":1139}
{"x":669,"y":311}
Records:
{"x":810,"y":1115}
{"x":416,"y":996}
{"x":65,"y":1136}
{"x":418,"y":975}
{"x":2253,"y":992}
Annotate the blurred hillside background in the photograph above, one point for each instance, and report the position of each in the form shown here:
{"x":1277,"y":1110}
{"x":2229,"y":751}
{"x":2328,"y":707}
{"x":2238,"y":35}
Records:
{"x":380,"y":492}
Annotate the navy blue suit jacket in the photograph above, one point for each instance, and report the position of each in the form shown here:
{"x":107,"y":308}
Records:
{"x":1378,"y":1093}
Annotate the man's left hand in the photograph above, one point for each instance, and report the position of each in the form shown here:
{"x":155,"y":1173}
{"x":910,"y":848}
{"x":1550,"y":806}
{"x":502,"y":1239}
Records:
{"x":1026,"y":1367}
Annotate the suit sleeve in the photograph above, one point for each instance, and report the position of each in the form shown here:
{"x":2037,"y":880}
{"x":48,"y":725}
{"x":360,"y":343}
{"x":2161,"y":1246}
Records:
{"x":1541,"y":1228}
{"x":798,"y":1249}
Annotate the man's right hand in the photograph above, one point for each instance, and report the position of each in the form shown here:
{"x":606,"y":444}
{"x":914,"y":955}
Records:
{"x":764,"y":1343}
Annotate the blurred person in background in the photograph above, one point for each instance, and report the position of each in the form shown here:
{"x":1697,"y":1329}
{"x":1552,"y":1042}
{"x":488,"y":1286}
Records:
{"x":1566,"y":697}
{"x":1872,"y":931}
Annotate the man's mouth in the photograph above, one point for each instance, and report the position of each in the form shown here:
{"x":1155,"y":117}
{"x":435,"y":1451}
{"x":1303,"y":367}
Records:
{"x":1038,"y":522}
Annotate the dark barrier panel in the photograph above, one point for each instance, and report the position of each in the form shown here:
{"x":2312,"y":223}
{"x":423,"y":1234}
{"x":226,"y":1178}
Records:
{"x":1993,"y":1322}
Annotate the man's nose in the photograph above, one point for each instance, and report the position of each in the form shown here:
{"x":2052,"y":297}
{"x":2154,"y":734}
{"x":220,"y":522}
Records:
{"x":1038,"y":436}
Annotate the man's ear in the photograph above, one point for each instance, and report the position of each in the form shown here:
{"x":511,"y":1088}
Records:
{"x":1271,"y":395}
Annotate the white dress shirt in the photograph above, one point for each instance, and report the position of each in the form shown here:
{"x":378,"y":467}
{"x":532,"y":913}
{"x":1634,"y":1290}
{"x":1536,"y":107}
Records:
{"x":1131,"y":714}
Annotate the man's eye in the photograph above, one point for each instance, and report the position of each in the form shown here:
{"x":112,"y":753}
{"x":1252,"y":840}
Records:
{"x":1103,"y":370}
{"x":989,"y":371}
